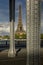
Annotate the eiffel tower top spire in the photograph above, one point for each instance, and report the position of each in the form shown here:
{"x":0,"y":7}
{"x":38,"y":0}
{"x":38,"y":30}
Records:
{"x":20,"y":14}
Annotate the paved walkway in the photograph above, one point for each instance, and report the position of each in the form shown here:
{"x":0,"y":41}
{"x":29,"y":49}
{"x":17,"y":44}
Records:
{"x":20,"y":59}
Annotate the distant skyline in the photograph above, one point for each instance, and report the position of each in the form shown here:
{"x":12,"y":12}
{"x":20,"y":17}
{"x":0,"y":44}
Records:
{"x":4,"y":15}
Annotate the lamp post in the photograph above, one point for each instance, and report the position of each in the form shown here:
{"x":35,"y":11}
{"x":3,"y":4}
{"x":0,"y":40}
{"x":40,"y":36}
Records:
{"x":12,"y":51}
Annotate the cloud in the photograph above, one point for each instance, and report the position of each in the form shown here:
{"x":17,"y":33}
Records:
{"x":4,"y":28}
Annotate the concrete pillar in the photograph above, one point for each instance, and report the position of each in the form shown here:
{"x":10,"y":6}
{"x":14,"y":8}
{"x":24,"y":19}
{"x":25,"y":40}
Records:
{"x":33,"y":32}
{"x":12,"y":51}
{"x":28,"y":22}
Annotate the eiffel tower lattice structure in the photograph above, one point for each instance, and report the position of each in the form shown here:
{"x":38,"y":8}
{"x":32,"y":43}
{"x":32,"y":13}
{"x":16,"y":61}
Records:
{"x":20,"y":30}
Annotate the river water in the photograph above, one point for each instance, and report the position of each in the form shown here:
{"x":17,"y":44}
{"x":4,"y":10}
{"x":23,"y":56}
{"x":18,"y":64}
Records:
{"x":5,"y":44}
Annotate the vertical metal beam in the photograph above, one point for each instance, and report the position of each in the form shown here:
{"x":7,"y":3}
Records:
{"x":12,"y":51}
{"x":33,"y":32}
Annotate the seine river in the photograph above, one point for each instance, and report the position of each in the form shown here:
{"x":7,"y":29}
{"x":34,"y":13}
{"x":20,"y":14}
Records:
{"x":5,"y":44}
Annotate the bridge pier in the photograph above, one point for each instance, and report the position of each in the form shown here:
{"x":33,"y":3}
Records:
{"x":12,"y":51}
{"x":33,"y":32}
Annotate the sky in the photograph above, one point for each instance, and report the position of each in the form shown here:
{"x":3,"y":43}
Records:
{"x":4,"y":15}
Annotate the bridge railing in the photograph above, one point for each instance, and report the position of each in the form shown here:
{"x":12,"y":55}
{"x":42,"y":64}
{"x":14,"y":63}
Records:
{"x":5,"y":44}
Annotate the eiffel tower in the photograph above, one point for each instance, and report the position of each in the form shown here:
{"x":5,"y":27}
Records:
{"x":20,"y":30}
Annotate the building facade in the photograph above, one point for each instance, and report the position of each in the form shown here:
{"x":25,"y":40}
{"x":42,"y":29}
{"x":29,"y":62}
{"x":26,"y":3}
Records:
{"x":33,"y":31}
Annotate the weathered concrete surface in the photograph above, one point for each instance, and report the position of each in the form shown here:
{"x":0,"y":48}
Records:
{"x":20,"y":59}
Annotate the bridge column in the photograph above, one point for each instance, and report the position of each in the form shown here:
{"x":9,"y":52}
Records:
{"x":33,"y":32}
{"x":12,"y":51}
